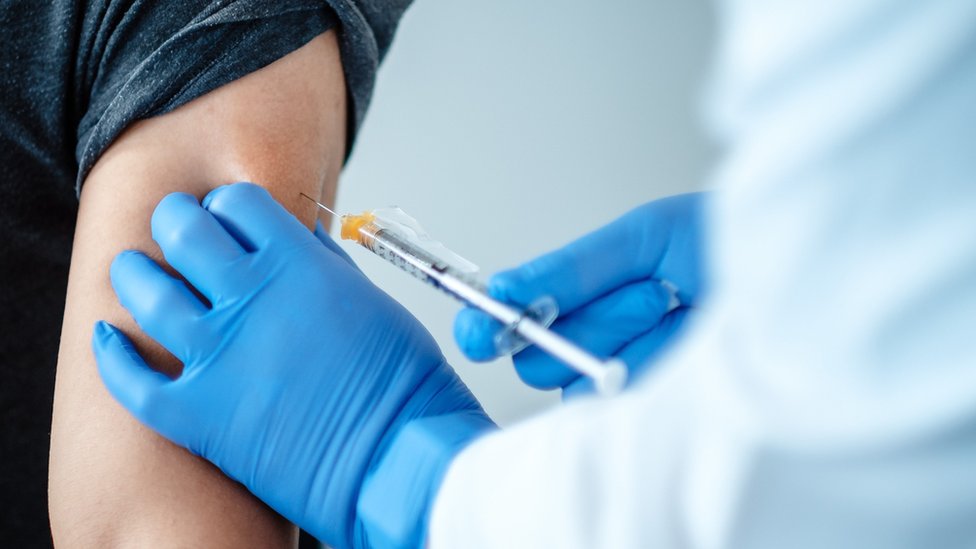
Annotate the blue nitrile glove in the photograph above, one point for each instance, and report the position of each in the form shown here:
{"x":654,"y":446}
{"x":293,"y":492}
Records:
{"x":298,"y":378}
{"x":623,"y":291}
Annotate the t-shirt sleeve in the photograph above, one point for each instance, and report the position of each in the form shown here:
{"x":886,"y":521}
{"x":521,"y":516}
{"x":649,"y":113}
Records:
{"x":141,"y":59}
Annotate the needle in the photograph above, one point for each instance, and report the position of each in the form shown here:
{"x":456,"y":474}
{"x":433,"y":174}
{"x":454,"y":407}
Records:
{"x":320,"y":205}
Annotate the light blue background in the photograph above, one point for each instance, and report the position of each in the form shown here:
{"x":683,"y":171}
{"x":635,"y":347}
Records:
{"x":510,"y":127}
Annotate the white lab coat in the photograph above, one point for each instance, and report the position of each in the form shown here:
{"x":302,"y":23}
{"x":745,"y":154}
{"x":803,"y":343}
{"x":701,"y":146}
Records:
{"x":827,"y":398}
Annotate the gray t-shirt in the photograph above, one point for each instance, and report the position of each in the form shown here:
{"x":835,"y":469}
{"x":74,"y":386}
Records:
{"x":73,"y":76}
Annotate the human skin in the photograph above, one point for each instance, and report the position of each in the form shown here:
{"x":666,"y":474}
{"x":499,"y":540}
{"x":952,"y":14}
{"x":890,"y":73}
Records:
{"x":113,"y":482}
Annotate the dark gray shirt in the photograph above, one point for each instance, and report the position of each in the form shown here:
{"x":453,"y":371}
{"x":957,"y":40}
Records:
{"x":73,"y":76}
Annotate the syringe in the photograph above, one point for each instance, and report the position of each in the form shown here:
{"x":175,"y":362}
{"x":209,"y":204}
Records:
{"x":395,"y":236}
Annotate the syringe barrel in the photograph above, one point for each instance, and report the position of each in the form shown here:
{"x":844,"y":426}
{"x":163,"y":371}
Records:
{"x":608,"y":376}
{"x":413,"y":260}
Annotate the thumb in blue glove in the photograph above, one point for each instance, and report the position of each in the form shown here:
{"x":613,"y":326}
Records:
{"x":623,"y":291}
{"x":301,"y":380}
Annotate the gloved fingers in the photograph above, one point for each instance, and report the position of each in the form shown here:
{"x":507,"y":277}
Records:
{"x":331,"y":244}
{"x":162,"y":306}
{"x":602,"y":327}
{"x":474,"y":332}
{"x":133,"y":383}
{"x":657,"y":240}
{"x":539,"y":370}
{"x":253,"y":217}
{"x":635,"y":307}
{"x":583,"y":270}
{"x":641,"y":353}
{"x":195,"y":243}
{"x":579,"y":386}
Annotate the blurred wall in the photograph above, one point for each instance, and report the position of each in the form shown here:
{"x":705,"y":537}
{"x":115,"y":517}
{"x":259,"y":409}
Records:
{"x":510,"y":127}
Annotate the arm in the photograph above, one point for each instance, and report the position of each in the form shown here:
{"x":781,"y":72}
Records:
{"x":112,"y":481}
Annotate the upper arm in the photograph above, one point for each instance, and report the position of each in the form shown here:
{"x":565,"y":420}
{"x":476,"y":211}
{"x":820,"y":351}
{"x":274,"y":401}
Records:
{"x":112,"y":481}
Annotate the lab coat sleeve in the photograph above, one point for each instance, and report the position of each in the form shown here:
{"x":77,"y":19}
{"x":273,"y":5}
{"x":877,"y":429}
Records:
{"x":689,"y":459}
{"x":565,"y":479}
{"x":828,"y":396}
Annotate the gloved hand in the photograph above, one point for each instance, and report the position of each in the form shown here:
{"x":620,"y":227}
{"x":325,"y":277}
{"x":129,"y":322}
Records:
{"x":623,"y":291}
{"x":298,"y":378}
